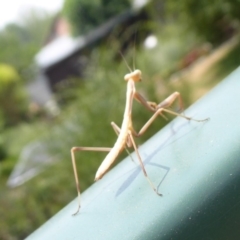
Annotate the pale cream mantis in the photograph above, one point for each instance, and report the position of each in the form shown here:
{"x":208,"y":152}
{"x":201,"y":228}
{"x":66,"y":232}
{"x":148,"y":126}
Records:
{"x":127,"y":133}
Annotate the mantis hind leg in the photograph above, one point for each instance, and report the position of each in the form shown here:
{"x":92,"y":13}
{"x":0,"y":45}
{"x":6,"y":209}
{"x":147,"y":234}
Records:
{"x":75,"y":149}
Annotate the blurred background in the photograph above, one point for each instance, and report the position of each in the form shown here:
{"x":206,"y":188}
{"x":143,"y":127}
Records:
{"x":61,"y":84}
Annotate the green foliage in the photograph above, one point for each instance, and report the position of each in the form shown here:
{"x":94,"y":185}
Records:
{"x":229,"y":63}
{"x":213,"y":21}
{"x":85,"y":121}
{"x":12,"y":96}
{"x":86,"y":15}
{"x":20,"y":43}
{"x":36,"y":24}
{"x":8,"y":76}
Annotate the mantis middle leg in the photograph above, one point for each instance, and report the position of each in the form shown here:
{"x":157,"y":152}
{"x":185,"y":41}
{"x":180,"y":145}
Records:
{"x":160,"y":108}
{"x":141,"y":163}
{"x":156,"y":114}
{"x":131,"y":143}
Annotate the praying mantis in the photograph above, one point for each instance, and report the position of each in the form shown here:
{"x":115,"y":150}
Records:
{"x":126,"y":132}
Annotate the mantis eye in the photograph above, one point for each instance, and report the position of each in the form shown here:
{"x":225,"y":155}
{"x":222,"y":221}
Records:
{"x":127,"y":76}
{"x":135,"y":76}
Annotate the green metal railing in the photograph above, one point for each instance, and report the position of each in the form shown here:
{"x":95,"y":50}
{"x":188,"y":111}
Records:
{"x":196,"y":167}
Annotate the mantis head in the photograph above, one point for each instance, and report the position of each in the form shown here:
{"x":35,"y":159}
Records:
{"x":135,"y":76}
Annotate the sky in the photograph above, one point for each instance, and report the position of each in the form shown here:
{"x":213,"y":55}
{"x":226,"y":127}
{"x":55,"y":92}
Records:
{"x":11,"y":9}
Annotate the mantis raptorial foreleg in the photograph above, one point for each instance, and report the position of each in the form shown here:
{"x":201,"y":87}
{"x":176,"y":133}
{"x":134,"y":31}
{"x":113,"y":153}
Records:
{"x":152,"y":106}
{"x":170,"y":99}
{"x":158,"y":109}
{"x":155,"y":115}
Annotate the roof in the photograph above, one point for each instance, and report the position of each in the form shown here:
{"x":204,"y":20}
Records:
{"x":57,"y":50}
{"x":64,"y":46}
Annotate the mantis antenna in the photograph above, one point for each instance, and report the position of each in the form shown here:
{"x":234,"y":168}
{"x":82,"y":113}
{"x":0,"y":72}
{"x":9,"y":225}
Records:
{"x":125,"y":61}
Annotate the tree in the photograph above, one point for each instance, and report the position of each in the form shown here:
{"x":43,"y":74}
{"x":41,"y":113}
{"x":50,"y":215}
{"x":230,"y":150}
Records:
{"x":212,"y":20}
{"x":85,"y":15}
